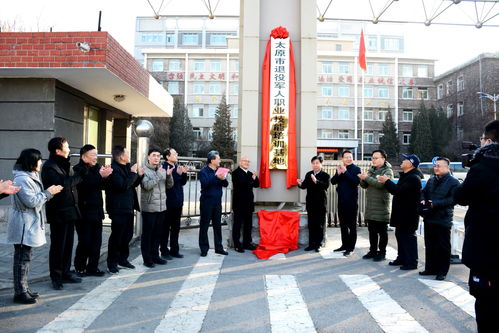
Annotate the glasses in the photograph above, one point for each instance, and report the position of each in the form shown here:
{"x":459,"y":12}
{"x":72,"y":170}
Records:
{"x":482,"y":138}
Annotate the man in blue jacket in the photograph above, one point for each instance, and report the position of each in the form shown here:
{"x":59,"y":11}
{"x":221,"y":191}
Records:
{"x":174,"y":205}
{"x":211,"y":204}
{"x":347,"y":183}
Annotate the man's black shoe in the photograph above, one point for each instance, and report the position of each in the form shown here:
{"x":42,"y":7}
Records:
{"x":317,"y":249}
{"x":149,"y":264}
{"x":340,"y":249}
{"x":440,"y":277}
{"x":379,"y":257}
{"x":159,"y":261}
{"x":250,"y":247}
{"x":408,"y":267}
{"x":57,"y":285}
{"x":176,"y":255}
{"x":71,"y":279}
{"x":425,"y":273}
{"x":113,"y":269}
{"x":369,"y":255}
{"x":239,"y":249}
{"x":396,"y":263}
{"x":24,"y":298}
{"x":126,"y":264}
{"x":32,"y":293}
{"x":204,"y":254}
{"x":347,"y":253}
{"x":80,"y":273}
{"x":97,"y":272}
{"x":222,"y":252}
{"x":167,"y":256}
{"x":309,"y":248}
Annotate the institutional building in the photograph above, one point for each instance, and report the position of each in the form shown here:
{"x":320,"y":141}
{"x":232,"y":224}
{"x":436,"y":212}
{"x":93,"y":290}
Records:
{"x":196,"y":59}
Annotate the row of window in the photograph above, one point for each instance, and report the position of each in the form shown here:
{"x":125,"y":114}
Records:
{"x":198,"y":134}
{"x":369,"y":136}
{"x":209,"y":111}
{"x":186,"y":38}
{"x":344,"y":113}
{"x":449,"y":85}
{"x":199,"y":65}
{"x":459,"y":108}
{"x":344,"y":67}
{"x":381,"y":92}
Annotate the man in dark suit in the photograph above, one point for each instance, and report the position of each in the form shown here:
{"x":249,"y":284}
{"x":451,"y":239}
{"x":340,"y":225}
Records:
{"x":62,"y":210}
{"x":347,"y":183}
{"x":243,"y":205}
{"x":316,"y":183}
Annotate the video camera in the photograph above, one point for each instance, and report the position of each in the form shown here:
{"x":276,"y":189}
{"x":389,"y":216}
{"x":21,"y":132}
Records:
{"x":467,"y":159}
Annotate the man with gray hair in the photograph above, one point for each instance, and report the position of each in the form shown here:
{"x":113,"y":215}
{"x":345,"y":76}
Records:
{"x":211,"y":204}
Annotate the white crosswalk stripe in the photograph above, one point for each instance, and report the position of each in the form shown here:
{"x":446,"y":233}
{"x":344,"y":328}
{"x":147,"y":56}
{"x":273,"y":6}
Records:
{"x":452,"y":292}
{"x":288,"y":310}
{"x":390,"y":316}
{"x":81,"y":314}
{"x":190,"y":305}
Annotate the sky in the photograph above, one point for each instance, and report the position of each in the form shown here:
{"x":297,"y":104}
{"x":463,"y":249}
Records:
{"x":450,"y":46}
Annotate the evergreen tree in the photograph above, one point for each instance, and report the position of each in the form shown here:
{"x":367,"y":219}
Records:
{"x":421,"y":139}
{"x":389,"y":141}
{"x":440,"y":131}
{"x":181,"y":135}
{"x":223,"y":140}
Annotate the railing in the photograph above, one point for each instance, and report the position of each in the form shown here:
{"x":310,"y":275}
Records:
{"x":332,"y":195}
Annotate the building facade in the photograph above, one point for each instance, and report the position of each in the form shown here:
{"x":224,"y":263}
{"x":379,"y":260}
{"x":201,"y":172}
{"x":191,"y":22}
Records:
{"x":196,"y":59}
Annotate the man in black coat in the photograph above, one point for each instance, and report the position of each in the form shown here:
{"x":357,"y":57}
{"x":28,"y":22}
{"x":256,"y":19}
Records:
{"x":405,"y":218}
{"x":121,"y":201}
{"x":347,"y":183}
{"x":62,"y":211}
{"x":243,"y":181}
{"x":437,"y":209}
{"x":480,"y":191}
{"x":89,"y":227}
{"x":316,"y":183}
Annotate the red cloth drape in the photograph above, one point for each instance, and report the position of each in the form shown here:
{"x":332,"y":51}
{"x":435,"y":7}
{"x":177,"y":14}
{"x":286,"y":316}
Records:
{"x":278,"y":232}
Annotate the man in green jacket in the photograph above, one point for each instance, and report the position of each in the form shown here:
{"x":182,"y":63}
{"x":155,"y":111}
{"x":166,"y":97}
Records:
{"x":378,"y":203}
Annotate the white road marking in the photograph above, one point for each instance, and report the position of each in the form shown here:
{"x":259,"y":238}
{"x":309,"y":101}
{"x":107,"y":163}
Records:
{"x":190,"y":305}
{"x":82,"y":314}
{"x":288,"y":310}
{"x":390,"y":316}
{"x":278,"y":256}
{"x":457,"y":295}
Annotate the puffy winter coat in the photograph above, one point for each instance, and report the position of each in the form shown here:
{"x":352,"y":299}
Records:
{"x":378,"y":201}
{"x":441,"y":193}
{"x":27,"y":216}
{"x":154,"y":186}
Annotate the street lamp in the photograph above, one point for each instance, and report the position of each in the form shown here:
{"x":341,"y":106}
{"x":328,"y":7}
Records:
{"x":493,"y":98}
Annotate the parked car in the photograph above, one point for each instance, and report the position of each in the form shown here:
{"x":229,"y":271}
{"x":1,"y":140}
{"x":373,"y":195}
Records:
{"x":456,"y":169}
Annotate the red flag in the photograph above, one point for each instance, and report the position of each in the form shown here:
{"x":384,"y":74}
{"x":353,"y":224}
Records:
{"x":362,"y":52}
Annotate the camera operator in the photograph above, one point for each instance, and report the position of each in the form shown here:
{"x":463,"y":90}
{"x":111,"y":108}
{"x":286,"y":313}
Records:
{"x":480,"y":190}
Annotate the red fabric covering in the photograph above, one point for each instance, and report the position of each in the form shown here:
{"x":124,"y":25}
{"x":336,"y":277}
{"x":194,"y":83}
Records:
{"x":278,"y":232}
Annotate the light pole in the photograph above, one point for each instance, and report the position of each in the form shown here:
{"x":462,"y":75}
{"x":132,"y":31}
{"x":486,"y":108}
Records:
{"x":493,"y":98}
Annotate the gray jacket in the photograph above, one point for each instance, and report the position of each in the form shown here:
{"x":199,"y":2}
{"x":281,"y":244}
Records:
{"x":27,"y":216}
{"x":378,"y":200}
{"x":154,"y":186}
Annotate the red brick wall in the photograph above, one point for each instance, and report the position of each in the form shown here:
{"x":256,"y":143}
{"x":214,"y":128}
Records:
{"x":59,"y":50}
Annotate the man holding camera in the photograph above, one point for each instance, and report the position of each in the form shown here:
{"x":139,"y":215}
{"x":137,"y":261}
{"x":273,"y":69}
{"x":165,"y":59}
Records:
{"x":480,"y":191}
{"x":437,"y":209}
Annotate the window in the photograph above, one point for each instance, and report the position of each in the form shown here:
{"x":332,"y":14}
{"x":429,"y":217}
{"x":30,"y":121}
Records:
{"x":199,"y":65}
{"x":448,"y":88}
{"x":450,"y":110}
{"x":212,"y":110}
{"x":343,"y":134}
{"x":190,"y":38}
{"x":380,"y":136}
{"x":440,"y":91}
{"x":235,"y":111}
{"x":174,"y":65}
{"x":368,"y":91}
{"x":460,"y":109}
{"x":234,"y":65}
{"x":327,"y":90}
{"x":383,"y":92}
{"x":327,"y":67}
{"x":234,"y":88}
{"x":215,"y":65}
{"x":407,"y":115}
{"x":170,"y":38}
{"x":196,"y":131}
{"x":327,"y":112}
{"x":383,"y":69}
{"x":422,"y":93}
{"x":215,"y":88}
{"x":198,"y":88}
{"x":338,"y":47}
{"x":422,"y":71}
{"x":343,"y":113}
{"x":210,"y":134}
{"x":460,"y":83}
{"x":218,"y":39}
{"x":372,"y":43}
{"x":151,"y":37}
{"x":197,"y":110}
{"x":369,"y":137}
{"x":391,"y":44}
{"x":157,"y":65}
{"x":234,"y":134}
{"x":460,"y":134}
{"x":368,"y":115}
{"x":369,"y":68}
{"x":343,"y":91}
{"x":326,"y":134}
{"x":382,"y":115}
{"x":344,"y":68}
{"x":173,"y":88}
{"x":406,"y":92}
{"x":406,"y":70}
{"x":406,"y":138}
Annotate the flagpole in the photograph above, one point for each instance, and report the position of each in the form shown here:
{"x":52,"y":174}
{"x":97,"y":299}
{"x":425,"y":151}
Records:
{"x":362,"y":119}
